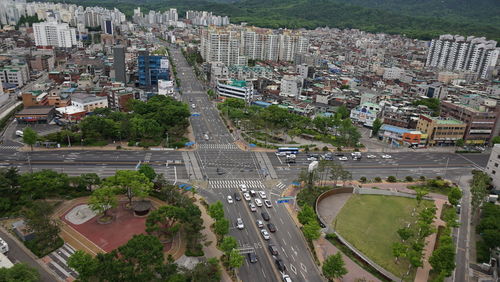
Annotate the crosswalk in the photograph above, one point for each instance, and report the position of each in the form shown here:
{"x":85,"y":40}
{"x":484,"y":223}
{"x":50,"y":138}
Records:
{"x":280,"y":186}
{"x":8,"y":148}
{"x":218,"y":146}
{"x":234,"y":183}
{"x":57,"y":261}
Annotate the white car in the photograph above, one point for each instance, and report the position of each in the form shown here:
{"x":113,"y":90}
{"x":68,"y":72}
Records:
{"x":268,"y":203}
{"x":239,"y":223}
{"x":253,"y":207}
{"x":230,"y":199}
{"x":343,"y":159}
{"x":286,"y":278}
{"x":371,"y":157}
{"x":386,"y":157}
{"x":247,"y":196}
{"x":280,"y":154}
{"x":265,"y":234}
{"x":260,"y":224}
{"x":243,"y":188}
{"x":258,"y":202}
{"x":262,"y":194}
{"x":312,"y":159}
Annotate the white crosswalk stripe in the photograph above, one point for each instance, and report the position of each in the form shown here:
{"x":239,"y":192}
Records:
{"x":255,"y":184}
{"x":219,"y":146}
{"x":9,"y":147}
{"x":280,"y":186}
{"x":57,"y":261}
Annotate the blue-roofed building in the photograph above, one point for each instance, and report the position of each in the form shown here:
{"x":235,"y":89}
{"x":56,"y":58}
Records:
{"x":365,"y":114}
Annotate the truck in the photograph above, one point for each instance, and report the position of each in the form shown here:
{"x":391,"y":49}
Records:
{"x":4,"y":247}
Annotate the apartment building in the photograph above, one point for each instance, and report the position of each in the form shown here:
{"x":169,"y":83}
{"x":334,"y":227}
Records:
{"x":480,"y":121}
{"x":459,"y":53}
{"x":493,"y":166}
{"x":441,"y":131}
{"x":54,"y":34}
{"x":17,"y":74}
{"x":222,"y":46}
{"x":291,"y":86}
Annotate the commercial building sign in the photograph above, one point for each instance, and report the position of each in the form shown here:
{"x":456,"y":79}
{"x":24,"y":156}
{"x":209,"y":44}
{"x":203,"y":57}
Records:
{"x":164,"y":63}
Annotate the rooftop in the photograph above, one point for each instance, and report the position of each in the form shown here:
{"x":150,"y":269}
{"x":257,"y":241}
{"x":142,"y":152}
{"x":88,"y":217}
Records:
{"x":440,"y":120}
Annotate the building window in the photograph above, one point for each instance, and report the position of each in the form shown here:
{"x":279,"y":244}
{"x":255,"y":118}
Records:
{"x":494,"y":172}
{"x":496,"y":164}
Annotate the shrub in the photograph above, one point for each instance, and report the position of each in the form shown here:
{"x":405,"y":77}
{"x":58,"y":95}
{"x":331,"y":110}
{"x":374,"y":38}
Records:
{"x":422,"y":178}
{"x":377,"y":179}
{"x":118,"y":147}
{"x":131,"y":143}
{"x":362,"y":179}
{"x":339,"y":149}
{"x":331,"y":236}
{"x":409,"y":179}
{"x":439,"y":177}
{"x":391,"y":179}
{"x":325,"y":149}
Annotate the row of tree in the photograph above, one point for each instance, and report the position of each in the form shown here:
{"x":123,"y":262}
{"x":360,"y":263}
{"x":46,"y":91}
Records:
{"x":140,"y":259}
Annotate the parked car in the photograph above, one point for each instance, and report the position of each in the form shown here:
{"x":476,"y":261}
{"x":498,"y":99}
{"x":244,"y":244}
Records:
{"x":273,"y":250}
{"x":239,"y":223}
{"x":229,"y":199}
{"x":371,"y":157}
{"x":252,"y":257}
{"x":386,"y":156}
{"x":258,"y":202}
{"x":265,"y":234}
{"x":265,"y":216}
{"x":271,"y":227}
{"x":253,"y":207}
{"x":268,"y":203}
{"x":286,"y":278}
{"x":247,"y":196}
{"x":343,"y":159}
{"x":252,"y":193}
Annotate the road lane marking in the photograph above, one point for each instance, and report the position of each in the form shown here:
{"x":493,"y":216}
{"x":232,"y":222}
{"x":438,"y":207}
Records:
{"x":293,"y":269}
{"x":303,"y":276}
{"x":284,"y":251}
{"x":303,"y":267}
{"x":289,"y":235}
{"x":263,"y":273}
{"x":282,"y":221}
{"x":284,"y":243}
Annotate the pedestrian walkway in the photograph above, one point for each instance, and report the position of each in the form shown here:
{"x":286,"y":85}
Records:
{"x":230,"y":146}
{"x":58,"y":262}
{"x":234,"y":183}
{"x":280,"y":186}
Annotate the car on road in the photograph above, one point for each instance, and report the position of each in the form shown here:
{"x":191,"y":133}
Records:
{"x":252,"y":257}
{"x":4,"y":247}
{"x":239,"y":223}
{"x":262,"y":194}
{"x":271,"y":227}
{"x":258,"y":202}
{"x":252,"y":193}
{"x":229,"y":200}
{"x":252,"y":207}
{"x":237,"y":197}
{"x":268,"y":203}
{"x":286,"y":278}
{"x":339,"y":154}
{"x":280,"y":154}
{"x":312,"y":158}
{"x":265,"y":216}
{"x":265,"y":234}
{"x":273,"y":250}
{"x":280,"y":264}
{"x":371,"y":157}
{"x":259,"y":223}
{"x":386,"y":157}
{"x":243,"y":188}
{"x":193,"y":106}
{"x":247,"y":197}
{"x":343,"y":159}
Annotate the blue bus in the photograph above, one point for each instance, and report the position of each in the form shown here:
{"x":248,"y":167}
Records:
{"x":289,"y":150}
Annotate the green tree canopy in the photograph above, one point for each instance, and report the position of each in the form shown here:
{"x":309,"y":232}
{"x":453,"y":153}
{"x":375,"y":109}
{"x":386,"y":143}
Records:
{"x":20,"y":272}
{"x":454,"y":196}
{"x":131,"y":183}
{"x":102,"y":200}
{"x":334,"y":267}
{"x":312,"y":230}
{"x":306,"y":214}
{"x":228,"y":243}
{"x":148,"y":171}
{"x":29,"y":136}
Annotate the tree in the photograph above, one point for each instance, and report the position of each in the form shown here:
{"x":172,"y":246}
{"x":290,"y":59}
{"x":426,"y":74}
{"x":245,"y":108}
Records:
{"x":30,"y":136}
{"x":216,"y":210}
{"x":311,"y":230}
{"x":228,"y":243}
{"x":495,"y":140}
{"x":391,"y":179}
{"x":235,"y":259}
{"x":405,"y":233}
{"x":334,"y":267}
{"x":20,"y":272}
{"x":221,"y":227}
{"x":38,"y":218}
{"x":102,"y":200}
{"x":148,"y":171}
{"x":399,"y":250}
{"x":306,"y":214}
{"x":377,"y":124}
{"x":84,"y":264}
{"x":420,"y":194}
{"x":208,"y":271}
{"x":343,"y":112}
{"x":442,"y":259}
{"x":460,"y":142}
{"x":144,"y":256}
{"x":480,"y":182}
{"x":165,"y":221}
{"x":454,"y":196}
{"x":345,"y":176}
{"x":88,"y":180}
{"x":132,"y":183}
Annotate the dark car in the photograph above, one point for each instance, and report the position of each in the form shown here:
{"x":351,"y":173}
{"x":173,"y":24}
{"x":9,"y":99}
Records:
{"x":281,"y":266}
{"x":271,"y":227}
{"x":265,"y":216}
{"x":237,"y":197}
{"x":339,"y":154}
{"x":252,"y":257}
{"x":273,"y":250}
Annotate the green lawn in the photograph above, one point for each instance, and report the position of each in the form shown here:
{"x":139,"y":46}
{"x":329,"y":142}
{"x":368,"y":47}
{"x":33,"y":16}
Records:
{"x":370,"y":223}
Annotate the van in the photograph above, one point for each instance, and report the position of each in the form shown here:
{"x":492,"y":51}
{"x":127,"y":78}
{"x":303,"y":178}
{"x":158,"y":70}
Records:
{"x":19,"y":133}
{"x":4,"y":247}
{"x":193,"y":106}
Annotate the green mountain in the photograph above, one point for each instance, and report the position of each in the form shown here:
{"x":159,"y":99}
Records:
{"x":423,"y":19}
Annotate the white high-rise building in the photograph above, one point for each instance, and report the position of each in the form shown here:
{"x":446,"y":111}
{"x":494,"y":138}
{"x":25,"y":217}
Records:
{"x":457,"y":53}
{"x":222,"y":46}
{"x":54,"y":34}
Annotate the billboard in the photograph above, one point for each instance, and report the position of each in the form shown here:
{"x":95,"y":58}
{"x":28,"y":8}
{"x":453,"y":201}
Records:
{"x":163,"y":63}
{"x":165,"y":87}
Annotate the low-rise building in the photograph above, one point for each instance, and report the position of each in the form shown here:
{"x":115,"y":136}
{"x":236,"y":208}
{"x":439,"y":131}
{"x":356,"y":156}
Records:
{"x":365,"y":114}
{"x":441,"y":131}
{"x":88,"y":103}
{"x":17,"y":74}
{"x":398,"y":136}
{"x":291,"y":86}
{"x":235,"y":89}
{"x":40,"y":114}
{"x":35,"y":98}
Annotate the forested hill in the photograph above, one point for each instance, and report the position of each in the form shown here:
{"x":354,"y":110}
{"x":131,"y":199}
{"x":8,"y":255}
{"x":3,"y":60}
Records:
{"x":422,"y":19}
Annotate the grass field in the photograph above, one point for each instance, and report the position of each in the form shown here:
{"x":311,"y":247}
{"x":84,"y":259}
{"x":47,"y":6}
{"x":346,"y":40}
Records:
{"x":370,"y":223}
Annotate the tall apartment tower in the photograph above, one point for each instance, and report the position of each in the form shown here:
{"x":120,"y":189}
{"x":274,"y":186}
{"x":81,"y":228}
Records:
{"x":119,"y":64}
{"x":54,"y":34}
{"x":222,"y":46}
{"x":457,"y":53}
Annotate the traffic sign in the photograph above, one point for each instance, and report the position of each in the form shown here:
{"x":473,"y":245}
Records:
{"x":283,"y":201}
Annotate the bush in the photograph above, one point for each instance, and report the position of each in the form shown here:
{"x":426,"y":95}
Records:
{"x":391,"y":179}
{"x":377,"y":179}
{"x":331,"y":236}
{"x":422,"y":178}
{"x":131,"y":143}
{"x":42,"y":250}
{"x":362,"y":179}
{"x":439,"y":178}
{"x":325,"y":149}
{"x":409,"y":179}
{"x":339,"y":149}
{"x":118,"y":147}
